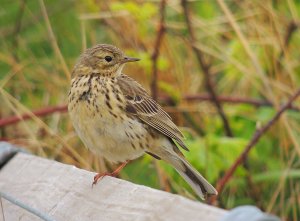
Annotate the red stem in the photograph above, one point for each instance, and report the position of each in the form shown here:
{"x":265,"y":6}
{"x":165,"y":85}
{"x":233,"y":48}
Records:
{"x":257,"y":135}
{"x":189,"y":97}
{"x":39,"y":113}
{"x":227,"y":99}
{"x":205,"y":66}
{"x":158,"y":41}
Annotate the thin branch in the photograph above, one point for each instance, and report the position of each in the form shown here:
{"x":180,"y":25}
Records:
{"x":206,"y":69}
{"x":155,"y":54}
{"x":18,"y":24}
{"x":17,"y":29}
{"x":164,"y":99}
{"x":225,"y":99}
{"x":289,"y":33}
{"x":257,"y":135}
{"x":292,"y":27}
{"x":30,"y":23}
{"x":38,"y":113}
{"x":53,"y":40}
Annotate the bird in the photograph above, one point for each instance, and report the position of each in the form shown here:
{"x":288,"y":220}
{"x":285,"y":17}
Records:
{"x":116,"y":118}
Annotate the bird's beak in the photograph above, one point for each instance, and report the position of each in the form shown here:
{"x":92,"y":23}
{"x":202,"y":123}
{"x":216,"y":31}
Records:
{"x":129,"y":59}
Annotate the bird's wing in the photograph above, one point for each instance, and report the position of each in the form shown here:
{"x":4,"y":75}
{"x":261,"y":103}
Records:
{"x":140,"y":104}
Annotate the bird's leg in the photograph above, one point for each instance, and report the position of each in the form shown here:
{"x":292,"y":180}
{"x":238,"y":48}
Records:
{"x":115,"y":173}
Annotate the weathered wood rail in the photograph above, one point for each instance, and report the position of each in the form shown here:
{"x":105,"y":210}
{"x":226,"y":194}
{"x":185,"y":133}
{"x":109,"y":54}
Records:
{"x":64,"y":193}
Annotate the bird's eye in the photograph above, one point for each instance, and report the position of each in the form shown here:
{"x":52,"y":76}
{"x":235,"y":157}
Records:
{"x":108,"y":58}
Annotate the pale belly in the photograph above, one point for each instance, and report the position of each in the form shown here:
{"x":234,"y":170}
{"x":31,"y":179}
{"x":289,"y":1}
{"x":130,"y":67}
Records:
{"x":115,"y":139}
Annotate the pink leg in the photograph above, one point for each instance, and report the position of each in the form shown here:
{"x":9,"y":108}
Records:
{"x":115,"y":173}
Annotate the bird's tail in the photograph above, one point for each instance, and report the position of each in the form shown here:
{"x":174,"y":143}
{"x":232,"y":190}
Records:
{"x":200,"y":185}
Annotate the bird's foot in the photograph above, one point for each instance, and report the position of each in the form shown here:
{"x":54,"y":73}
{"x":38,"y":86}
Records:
{"x":99,"y":176}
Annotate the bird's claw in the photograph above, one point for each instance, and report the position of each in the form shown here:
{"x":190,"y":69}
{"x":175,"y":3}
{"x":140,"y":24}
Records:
{"x":99,"y":176}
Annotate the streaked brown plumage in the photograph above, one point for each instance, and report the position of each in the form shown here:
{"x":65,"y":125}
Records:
{"x":116,"y":118}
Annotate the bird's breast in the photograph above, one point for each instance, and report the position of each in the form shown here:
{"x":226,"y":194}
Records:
{"x":98,"y":116}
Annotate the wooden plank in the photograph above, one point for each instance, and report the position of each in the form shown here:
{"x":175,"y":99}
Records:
{"x":64,"y":192}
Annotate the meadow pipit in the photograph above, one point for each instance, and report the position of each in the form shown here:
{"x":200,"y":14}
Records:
{"x":115,"y":117}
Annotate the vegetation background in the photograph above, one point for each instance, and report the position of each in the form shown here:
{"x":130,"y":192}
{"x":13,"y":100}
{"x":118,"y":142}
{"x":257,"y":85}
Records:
{"x":221,"y":69}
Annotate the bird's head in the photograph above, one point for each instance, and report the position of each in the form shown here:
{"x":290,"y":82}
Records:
{"x":102,"y":59}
